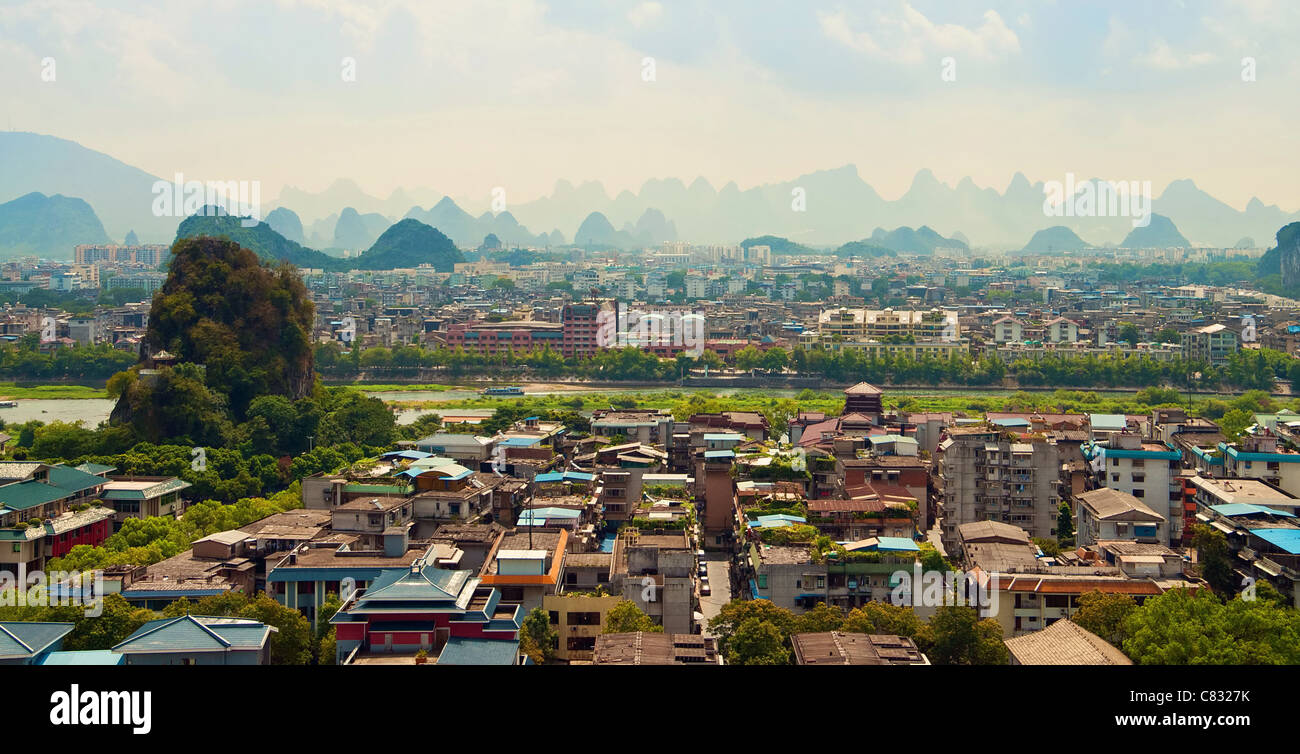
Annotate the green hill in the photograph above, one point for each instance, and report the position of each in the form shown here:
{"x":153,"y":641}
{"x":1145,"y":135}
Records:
{"x":410,"y":243}
{"x":260,"y":239}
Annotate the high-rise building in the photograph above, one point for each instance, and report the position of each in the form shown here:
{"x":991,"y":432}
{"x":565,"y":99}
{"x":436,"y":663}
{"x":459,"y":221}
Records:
{"x":985,"y":476}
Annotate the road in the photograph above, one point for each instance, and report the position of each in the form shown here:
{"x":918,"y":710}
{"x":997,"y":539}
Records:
{"x":719,"y":566}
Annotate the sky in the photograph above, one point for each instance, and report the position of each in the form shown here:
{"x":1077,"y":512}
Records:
{"x":466,"y":97}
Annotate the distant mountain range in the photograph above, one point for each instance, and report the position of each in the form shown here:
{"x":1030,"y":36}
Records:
{"x":840,"y":205}
{"x":837,"y":206}
{"x":50,"y":226}
{"x":408,"y":243}
{"x":121,"y":196}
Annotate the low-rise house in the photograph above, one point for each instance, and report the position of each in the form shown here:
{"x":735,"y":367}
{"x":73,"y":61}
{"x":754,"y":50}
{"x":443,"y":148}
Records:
{"x":578,"y":618}
{"x":642,"y":648}
{"x":993,"y":546}
{"x":305,"y":577}
{"x":198,"y":640}
{"x":840,"y":648}
{"x":526,"y":565}
{"x":1032,"y":602}
{"x":1107,"y":514}
{"x":656,"y":570}
{"x":216,"y":564}
{"x":144,"y":497}
{"x":30,"y":642}
{"x":1063,"y":643}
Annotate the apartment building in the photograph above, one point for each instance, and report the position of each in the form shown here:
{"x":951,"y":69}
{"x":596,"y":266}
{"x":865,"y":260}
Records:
{"x":1147,"y":470}
{"x":1110,"y":514}
{"x":985,"y":476}
{"x":657,"y":572}
{"x":1212,"y":344}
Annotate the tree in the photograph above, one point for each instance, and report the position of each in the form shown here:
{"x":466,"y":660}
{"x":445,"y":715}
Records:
{"x":727,"y":622}
{"x":821,"y":618}
{"x":542,"y":637}
{"x":1130,"y":332}
{"x":1065,"y":525}
{"x":961,"y":638}
{"x":758,"y":642}
{"x":884,"y":618}
{"x":1050,"y":547}
{"x":1104,"y":615}
{"x":1233,"y":424}
{"x":1212,"y":555}
{"x":119,"y":620}
{"x":1193,"y":627}
{"x":625,"y":617}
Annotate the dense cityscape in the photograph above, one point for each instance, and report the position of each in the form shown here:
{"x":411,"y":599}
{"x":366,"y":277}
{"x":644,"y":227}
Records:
{"x":995,"y":421}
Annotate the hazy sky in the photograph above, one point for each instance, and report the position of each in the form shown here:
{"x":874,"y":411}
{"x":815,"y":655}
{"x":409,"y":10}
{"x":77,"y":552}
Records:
{"x":465,"y":96}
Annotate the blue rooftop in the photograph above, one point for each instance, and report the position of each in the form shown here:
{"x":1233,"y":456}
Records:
{"x":413,"y":455}
{"x":1247,"y":509}
{"x":565,"y":476}
{"x":776,"y":521}
{"x":1287,"y":540}
{"x":85,"y":657}
{"x":461,"y":650}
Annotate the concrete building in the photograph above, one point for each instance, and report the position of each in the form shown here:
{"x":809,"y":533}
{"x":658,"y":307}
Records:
{"x":657,"y":572}
{"x":840,"y":648}
{"x":641,"y":648}
{"x":1145,"y":469}
{"x":1108,"y":514}
{"x":987,"y":477}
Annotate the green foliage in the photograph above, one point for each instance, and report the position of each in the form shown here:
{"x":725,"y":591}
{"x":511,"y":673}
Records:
{"x":1050,"y":547}
{"x":26,"y":361}
{"x":626,"y":617}
{"x":117,"y":621}
{"x":758,"y":642}
{"x":960,"y":638}
{"x":1194,"y":627}
{"x":1064,"y":525}
{"x":1104,"y":615}
{"x":240,"y":331}
{"x":543,"y":639}
{"x":144,"y":541}
{"x":885,"y":618}
{"x":1214,"y":559}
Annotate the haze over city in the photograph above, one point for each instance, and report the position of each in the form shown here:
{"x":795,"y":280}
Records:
{"x":461,"y":98}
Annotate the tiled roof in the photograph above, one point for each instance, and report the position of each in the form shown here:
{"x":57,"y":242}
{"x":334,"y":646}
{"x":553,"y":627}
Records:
{"x":19,"y":639}
{"x":195,"y":633}
{"x":1064,"y":643}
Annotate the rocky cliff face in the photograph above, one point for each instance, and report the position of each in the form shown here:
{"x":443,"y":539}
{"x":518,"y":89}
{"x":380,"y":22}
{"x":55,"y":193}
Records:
{"x":1283,"y":260}
{"x":1288,"y":249}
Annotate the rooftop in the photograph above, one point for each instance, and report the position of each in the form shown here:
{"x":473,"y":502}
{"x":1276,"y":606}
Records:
{"x":1064,"y":643}
{"x":839,"y":648}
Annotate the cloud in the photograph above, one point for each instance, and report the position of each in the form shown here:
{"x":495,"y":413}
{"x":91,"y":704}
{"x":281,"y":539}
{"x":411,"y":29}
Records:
{"x":907,"y":35}
{"x":645,"y":14}
{"x":1162,"y":57}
